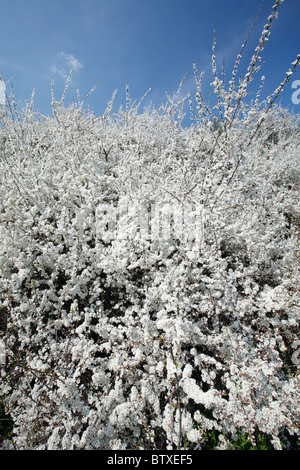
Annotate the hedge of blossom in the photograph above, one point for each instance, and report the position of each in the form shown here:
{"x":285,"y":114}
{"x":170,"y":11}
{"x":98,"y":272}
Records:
{"x":123,"y":343}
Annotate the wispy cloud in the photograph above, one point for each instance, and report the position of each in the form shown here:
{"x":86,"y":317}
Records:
{"x":63,"y":63}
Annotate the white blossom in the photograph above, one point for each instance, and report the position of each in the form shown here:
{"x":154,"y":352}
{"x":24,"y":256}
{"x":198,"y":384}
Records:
{"x":120,"y":341}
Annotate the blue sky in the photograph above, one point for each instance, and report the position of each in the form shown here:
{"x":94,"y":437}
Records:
{"x":145,"y":43}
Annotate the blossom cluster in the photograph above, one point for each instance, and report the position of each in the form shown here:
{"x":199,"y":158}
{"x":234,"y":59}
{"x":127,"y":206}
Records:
{"x":97,"y":333}
{"x":122,"y":344}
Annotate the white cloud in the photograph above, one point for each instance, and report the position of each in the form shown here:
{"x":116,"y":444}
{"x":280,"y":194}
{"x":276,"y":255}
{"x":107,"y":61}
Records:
{"x":63,"y":63}
{"x":72,"y":61}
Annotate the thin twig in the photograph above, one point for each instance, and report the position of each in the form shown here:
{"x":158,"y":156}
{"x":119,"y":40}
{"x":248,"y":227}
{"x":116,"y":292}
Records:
{"x":178,"y":403}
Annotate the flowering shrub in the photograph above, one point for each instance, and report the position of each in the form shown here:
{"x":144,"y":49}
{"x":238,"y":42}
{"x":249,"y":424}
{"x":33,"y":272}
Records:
{"x":126,"y":344}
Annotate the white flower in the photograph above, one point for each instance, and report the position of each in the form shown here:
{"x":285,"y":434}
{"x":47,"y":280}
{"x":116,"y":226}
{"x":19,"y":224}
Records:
{"x":187,"y":371}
